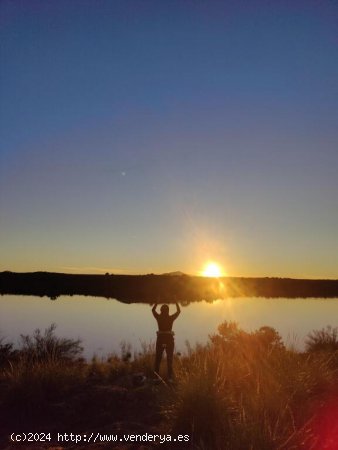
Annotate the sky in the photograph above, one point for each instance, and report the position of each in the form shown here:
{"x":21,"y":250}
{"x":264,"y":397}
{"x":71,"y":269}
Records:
{"x":153,"y":136}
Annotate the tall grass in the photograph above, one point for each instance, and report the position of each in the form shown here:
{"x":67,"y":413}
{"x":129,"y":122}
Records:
{"x":247,"y":391}
{"x":239,"y":391}
{"x":44,"y":369}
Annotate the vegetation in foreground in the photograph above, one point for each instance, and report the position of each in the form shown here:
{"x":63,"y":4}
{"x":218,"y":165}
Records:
{"x":239,"y":391}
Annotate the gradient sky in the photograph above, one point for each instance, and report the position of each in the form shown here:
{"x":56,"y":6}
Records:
{"x":151,"y":136}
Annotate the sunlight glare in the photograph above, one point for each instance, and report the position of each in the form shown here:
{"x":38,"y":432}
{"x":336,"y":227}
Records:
{"x":212,"y":270}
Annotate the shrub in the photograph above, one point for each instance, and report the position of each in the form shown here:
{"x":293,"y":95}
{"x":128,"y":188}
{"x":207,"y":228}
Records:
{"x":6,"y":352}
{"x":48,"y":347}
{"x":269,"y":339}
{"x":259,"y":343}
{"x":325,"y":339}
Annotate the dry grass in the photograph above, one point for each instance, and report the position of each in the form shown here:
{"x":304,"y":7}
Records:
{"x":248,"y":391}
{"x":239,"y":391}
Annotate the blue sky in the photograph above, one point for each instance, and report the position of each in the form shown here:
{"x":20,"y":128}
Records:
{"x":152,"y":136}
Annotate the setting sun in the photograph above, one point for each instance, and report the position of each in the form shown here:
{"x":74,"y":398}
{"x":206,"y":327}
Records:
{"x":212,"y":270}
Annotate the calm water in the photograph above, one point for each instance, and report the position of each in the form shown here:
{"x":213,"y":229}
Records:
{"x":103,"y":324}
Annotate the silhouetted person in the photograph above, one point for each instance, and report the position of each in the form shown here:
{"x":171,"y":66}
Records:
{"x":165,"y":336}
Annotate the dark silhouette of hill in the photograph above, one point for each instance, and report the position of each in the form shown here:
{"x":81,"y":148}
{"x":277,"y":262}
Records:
{"x":161,"y":288}
{"x":173,"y":274}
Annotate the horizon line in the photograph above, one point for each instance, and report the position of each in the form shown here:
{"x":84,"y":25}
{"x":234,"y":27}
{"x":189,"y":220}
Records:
{"x":173,"y":273}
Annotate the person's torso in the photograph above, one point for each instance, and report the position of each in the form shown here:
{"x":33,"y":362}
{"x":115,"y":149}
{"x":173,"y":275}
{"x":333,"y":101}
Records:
{"x":165,"y":323}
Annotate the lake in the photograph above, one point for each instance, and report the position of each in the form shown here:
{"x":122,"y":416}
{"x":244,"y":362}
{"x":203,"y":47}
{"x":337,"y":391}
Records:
{"x":103,"y":324}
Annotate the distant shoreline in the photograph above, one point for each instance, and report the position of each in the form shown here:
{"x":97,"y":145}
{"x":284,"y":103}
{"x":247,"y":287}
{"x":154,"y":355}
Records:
{"x":162,"y":288}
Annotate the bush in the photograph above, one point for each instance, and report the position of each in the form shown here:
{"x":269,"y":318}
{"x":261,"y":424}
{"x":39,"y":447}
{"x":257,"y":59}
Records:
{"x":325,"y":339}
{"x":47,"y":347}
{"x":6,"y":352}
{"x":264,"y":341}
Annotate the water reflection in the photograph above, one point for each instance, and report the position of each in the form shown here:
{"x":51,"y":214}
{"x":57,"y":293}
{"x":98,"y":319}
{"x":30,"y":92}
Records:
{"x":146,"y":288}
{"x":104,"y":324}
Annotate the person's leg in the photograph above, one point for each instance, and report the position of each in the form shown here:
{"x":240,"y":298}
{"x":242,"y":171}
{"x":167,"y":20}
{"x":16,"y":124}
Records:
{"x":170,"y":355}
{"x":159,"y":352}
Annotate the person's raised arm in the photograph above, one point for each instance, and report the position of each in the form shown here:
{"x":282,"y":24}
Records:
{"x":178,"y":311}
{"x":153,"y":310}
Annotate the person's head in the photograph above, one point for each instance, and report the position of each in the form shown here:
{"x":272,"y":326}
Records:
{"x":165,"y":310}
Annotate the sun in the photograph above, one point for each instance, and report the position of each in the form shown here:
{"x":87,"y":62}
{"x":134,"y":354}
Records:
{"x":212,"y":269}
